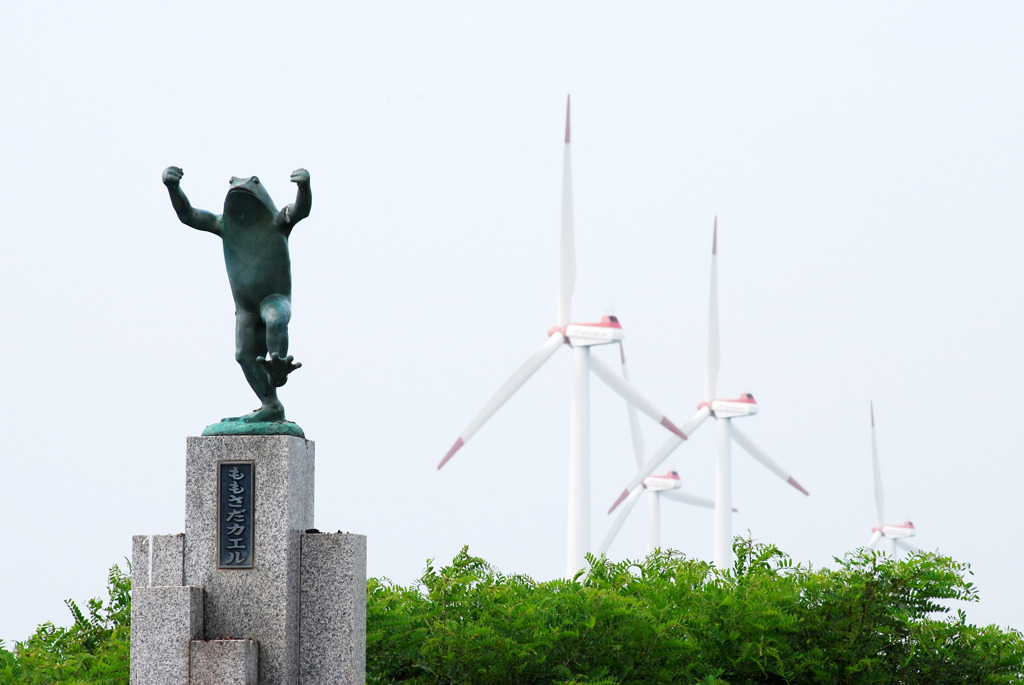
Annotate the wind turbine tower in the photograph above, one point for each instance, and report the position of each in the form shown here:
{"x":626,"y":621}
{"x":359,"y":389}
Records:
{"x":579,"y":337}
{"x":723,"y":411}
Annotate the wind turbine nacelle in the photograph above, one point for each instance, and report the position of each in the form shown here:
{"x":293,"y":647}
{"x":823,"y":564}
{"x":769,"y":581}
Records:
{"x":744,"y":405}
{"x":666,"y":481}
{"x":605,"y":332}
{"x":897,"y":530}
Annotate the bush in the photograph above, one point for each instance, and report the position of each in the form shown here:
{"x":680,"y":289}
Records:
{"x":94,"y":649}
{"x":673,"y":619}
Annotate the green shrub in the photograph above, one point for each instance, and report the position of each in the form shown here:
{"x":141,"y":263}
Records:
{"x":673,"y":619}
{"x":94,"y":649}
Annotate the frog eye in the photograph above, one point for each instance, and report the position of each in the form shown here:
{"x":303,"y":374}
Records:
{"x":255,"y":180}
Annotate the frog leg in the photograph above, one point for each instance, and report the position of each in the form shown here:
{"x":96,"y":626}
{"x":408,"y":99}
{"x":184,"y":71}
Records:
{"x":275,"y":313}
{"x":250,"y":334}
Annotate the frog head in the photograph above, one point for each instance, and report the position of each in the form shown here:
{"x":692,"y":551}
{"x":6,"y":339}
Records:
{"x":248,"y":199}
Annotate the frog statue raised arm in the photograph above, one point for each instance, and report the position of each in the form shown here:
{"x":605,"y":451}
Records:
{"x":255,"y":238}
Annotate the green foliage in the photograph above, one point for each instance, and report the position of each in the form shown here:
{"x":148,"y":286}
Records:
{"x":94,"y":649}
{"x":672,"y":619}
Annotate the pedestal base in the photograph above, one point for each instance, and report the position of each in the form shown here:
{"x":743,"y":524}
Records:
{"x":295,"y":612}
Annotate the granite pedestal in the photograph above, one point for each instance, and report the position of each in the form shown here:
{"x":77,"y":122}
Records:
{"x":285,"y":603}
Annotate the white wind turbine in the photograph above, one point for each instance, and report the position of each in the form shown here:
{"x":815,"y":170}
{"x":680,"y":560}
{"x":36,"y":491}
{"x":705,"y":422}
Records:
{"x":724,"y":411}
{"x":580,"y":337}
{"x":666,"y":485}
{"x":895,"y":534}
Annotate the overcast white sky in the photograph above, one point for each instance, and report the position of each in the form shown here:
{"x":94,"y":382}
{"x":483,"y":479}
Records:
{"x":864,"y":160}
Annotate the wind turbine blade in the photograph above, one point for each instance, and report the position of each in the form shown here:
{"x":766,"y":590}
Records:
{"x":630,"y":393}
{"x":635,"y":433}
{"x":662,"y":454}
{"x":756,"y":452}
{"x":567,"y":245}
{"x":521,"y":375}
{"x":877,"y":468}
{"x":875,"y":537}
{"x":631,"y":501}
{"x":907,"y":546}
{"x":689,"y":498}
{"x":711,"y":367}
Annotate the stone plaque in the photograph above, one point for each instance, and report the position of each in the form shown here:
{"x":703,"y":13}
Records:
{"x":235,"y":515}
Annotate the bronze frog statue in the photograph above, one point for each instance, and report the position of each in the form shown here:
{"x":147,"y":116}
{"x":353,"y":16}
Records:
{"x":255,"y":239}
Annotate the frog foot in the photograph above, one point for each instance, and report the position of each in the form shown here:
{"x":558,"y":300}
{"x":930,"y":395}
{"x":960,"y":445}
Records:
{"x":278,"y":368}
{"x":270,"y":411}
